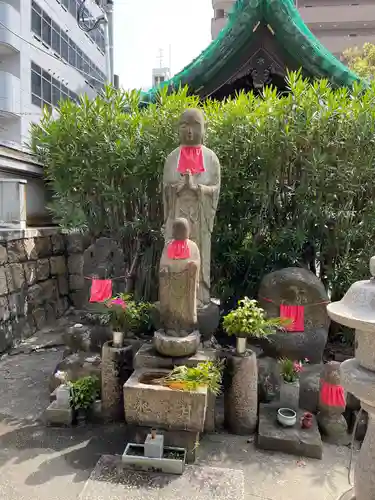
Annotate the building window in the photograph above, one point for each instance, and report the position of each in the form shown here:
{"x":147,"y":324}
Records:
{"x":46,"y":30}
{"x":36,"y":19}
{"x":55,"y":38}
{"x":46,"y":90}
{"x":96,"y":35}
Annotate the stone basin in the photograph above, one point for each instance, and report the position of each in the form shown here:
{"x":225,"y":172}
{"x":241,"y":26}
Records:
{"x":149,"y":404}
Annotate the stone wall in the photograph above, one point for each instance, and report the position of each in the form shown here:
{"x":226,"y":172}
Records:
{"x":34,"y":282}
{"x":76,"y":244}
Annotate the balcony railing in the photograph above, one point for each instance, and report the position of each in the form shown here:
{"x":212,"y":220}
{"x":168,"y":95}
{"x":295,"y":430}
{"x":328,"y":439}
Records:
{"x":9,"y":17}
{"x":10,"y":94}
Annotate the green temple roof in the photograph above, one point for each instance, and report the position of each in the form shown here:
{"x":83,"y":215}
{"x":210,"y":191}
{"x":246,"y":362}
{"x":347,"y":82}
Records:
{"x":219,"y":61}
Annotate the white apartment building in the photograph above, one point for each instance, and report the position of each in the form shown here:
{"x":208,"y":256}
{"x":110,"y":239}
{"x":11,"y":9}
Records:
{"x":44,"y":57}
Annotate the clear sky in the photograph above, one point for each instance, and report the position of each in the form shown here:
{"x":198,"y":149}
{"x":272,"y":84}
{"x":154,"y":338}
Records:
{"x":142,"y":27}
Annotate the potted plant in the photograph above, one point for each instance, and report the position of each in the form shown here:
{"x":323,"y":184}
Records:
{"x":127,"y":317}
{"x":83,"y":394}
{"x":249,"y":320}
{"x":289,"y":388}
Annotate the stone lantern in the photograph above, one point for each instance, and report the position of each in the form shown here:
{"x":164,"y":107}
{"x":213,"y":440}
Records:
{"x":357,"y":310}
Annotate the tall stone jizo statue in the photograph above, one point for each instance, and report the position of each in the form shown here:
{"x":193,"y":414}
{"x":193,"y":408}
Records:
{"x":191,"y":187}
{"x":178,"y":288}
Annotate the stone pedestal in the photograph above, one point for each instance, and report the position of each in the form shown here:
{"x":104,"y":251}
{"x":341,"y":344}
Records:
{"x":357,"y":310}
{"x":117,"y":365}
{"x":241,"y":398}
{"x":176,"y":347}
{"x":292,"y":440}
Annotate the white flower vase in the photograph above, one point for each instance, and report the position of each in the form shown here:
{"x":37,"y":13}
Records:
{"x":289,"y":395}
{"x":118,"y":339}
{"x":63,"y":396}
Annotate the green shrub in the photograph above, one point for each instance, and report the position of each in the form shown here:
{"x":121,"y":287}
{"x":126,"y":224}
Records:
{"x":249,"y":320}
{"x":84,"y":392}
{"x":297,"y":180}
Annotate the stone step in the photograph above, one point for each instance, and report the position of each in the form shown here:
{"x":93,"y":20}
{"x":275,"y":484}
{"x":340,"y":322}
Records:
{"x":109,"y":481}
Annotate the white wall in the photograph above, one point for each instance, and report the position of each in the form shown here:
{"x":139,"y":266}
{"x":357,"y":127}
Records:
{"x":36,"y":196}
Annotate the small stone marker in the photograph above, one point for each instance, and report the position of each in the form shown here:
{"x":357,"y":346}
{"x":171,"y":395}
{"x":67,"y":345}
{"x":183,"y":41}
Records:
{"x":154,"y":445}
{"x":292,"y":440}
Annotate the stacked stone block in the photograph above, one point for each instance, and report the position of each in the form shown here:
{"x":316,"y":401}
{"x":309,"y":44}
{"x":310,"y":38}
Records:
{"x":76,"y":244}
{"x":34,"y":284}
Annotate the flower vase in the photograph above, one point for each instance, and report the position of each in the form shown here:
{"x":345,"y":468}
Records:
{"x":118,"y":339}
{"x":63,"y":396}
{"x":289,"y":395}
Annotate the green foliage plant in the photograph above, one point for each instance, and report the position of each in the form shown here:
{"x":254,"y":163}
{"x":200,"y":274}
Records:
{"x":84,"y":392}
{"x":126,"y":315}
{"x":206,"y":374}
{"x":361,"y":60}
{"x":298,"y":185}
{"x":249,"y":320}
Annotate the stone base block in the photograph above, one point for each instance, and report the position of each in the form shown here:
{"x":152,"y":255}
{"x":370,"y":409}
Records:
{"x":180,"y":439}
{"x":58,"y":416}
{"x":148,"y":357}
{"x":292,"y":440}
{"x":176,"y":347}
{"x":147,"y":403}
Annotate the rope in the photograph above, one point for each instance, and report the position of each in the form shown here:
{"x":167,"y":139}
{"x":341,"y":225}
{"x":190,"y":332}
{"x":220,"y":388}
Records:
{"x":97,"y":277}
{"x":304,"y":305}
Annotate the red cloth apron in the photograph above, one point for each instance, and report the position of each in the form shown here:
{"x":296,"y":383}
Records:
{"x":101,"y":290}
{"x":191,"y":160}
{"x":178,"y":250}
{"x":296,"y":314}
{"x":332,"y":395}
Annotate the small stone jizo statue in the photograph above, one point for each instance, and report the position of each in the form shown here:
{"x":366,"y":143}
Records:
{"x":191,"y":187}
{"x":332,"y":404}
{"x":178,"y":282}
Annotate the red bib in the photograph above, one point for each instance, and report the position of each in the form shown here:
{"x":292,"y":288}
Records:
{"x":178,"y":250}
{"x":332,"y":395}
{"x":191,"y":160}
{"x":296,"y":314}
{"x":101,"y":290}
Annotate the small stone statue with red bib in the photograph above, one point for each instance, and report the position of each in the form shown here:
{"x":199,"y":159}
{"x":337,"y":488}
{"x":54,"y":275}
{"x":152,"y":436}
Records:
{"x":178,"y":282}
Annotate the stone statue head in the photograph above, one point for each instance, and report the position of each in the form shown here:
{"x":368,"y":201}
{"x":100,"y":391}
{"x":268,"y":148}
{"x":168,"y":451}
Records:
{"x":180,"y":230}
{"x":191,"y":127}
